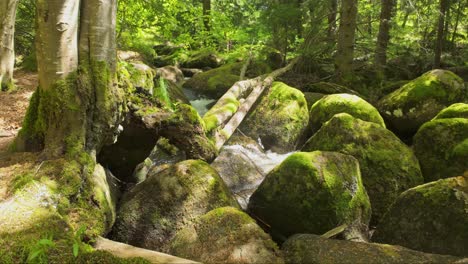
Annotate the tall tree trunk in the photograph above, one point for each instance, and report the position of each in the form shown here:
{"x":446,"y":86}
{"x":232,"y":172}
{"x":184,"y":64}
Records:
{"x":440,"y":33}
{"x":383,"y":38}
{"x":457,"y":21}
{"x":332,"y":12}
{"x":207,"y":14}
{"x":345,"y":46}
{"x":76,"y":107}
{"x":7,"y":33}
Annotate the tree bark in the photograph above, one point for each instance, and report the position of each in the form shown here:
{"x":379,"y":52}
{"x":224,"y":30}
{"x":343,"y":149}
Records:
{"x":76,"y":107}
{"x":207,"y":14}
{"x":440,"y":32}
{"x":383,"y":38}
{"x":7,"y":33}
{"x":332,"y":12}
{"x":345,"y":46}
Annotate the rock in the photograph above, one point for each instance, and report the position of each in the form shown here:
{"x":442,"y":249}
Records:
{"x":225,"y":235}
{"x":279,"y":119}
{"x":106,"y":190}
{"x":432,"y":217}
{"x":458,"y":110}
{"x":203,"y":59}
{"x":142,"y":76}
{"x":314,"y":193}
{"x":311,"y":98}
{"x":328,"y":88}
{"x":388,"y":166}
{"x":214,"y":83}
{"x":306,"y":248}
{"x":186,"y":130}
{"x":417,"y":102}
{"x":167,"y":48}
{"x":325,"y":108}
{"x":167,"y":201}
{"x":128,"y":55}
{"x":441,"y":146}
{"x":171,"y":73}
{"x":190,"y":72}
{"x":243,"y":164}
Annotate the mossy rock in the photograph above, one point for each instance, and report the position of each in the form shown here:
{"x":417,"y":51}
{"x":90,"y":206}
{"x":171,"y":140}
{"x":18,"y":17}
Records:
{"x":203,"y":59}
{"x":441,"y":146}
{"x":432,"y":217}
{"x":417,"y":102}
{"x":307,"y":248}
{"x":153,"y":211}
{"x":328,"y":88}
{"x":325,"y":108}
{"x":279,"y":119}
{"x":388,"y":166}
{"x":312,"y":193}
{"x":225,"y":235}
{"x":458,"y":110}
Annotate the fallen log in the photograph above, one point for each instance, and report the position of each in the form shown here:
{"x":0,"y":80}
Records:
{"x":226,"y":115}
{"x":122,"y":250}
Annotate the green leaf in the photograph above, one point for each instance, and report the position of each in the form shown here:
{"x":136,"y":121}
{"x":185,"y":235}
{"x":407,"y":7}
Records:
{"x":76,"y":249}
{"x":46,"y":242}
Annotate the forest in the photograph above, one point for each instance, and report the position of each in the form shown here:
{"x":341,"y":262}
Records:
{"x":234,"y":131}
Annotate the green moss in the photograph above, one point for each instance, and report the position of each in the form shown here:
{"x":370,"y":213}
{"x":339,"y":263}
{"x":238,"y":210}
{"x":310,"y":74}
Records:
{"x":387,"y":165}
{"x":226,"y":106}
{"x":430,"y":218}
{"x":458,"y":110}
{"x":440,"y":146}
{"x":279,"y":119}
{"x":327,"y":107}
{"x":311,"y":193}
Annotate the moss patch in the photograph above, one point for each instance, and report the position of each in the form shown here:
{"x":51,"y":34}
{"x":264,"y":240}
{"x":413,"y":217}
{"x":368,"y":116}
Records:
{"x":311,"y":193}
{"x":458,"y":110}
{"x":387,"y":165}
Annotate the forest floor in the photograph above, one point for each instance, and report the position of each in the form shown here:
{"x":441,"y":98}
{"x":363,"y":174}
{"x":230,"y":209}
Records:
{"x":13,"y":106}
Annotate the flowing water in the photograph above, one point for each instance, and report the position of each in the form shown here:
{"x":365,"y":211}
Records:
{"x":201,"y":103}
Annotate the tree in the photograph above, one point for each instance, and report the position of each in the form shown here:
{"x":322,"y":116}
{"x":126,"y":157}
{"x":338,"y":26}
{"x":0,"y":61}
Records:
{"x":7,"y":33}
{"x":207,"y":14}
{"x":345,"y":46}
{"x":386,"y":14}
{"x":332,"y":12}
{"x":443,"y":7}
{"x":75,"y":108}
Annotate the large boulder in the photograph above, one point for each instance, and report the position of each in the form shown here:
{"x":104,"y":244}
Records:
{"x":279,"y":119}
{"x":417,"y":102}
{"x":225,"y":235}
{"x":388,"y":166}
{"x":441,"y":146}
{"x":432,"y":217}
{"x":325,"y":108}
{"x":307,"y":248}
{"x":312,"y":193}
{"x":170,"y":73}
{"x":214,"y":83}
{"x":328,"y":88}
{"x":243,"y":164}
{"x":203,"y":59}
{"x":153,"y":211}
{"x":458,"y":110}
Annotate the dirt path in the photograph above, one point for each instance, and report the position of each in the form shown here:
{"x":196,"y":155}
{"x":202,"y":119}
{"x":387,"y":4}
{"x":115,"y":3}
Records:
{"x":13,"y":106}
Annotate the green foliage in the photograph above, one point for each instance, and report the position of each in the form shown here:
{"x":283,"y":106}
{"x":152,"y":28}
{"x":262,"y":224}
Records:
{"x":38,"y":253}
{"x":162,"y":95}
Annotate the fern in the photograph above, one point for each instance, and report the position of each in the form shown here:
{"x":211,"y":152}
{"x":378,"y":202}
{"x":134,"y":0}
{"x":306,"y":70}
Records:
{"x":162,"y":95}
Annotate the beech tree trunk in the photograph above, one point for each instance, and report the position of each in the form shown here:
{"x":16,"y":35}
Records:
{"x":76,"y":107}
{"x":7,"y":33}
{"x":345,"y":46}
{"x":383,"y":38}
{"x":440,"y":32}
{"x":207,"y":14}
{"x":332,"y":12}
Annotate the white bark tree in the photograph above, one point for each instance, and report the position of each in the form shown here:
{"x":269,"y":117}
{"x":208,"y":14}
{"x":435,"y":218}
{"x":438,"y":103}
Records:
{"x":7,"y":33}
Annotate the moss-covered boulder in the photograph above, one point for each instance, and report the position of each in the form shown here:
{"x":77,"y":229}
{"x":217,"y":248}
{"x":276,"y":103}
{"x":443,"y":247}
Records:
{"x":214,"y":83}
{"x":441,"y":146}
{"x":311,"y":98}
{"x":458,"y":110}
{"x":313,"y":193}
{"x":417,"y":102}
{"x":388,"y":166}
{"x":225,"y":235}
{"x":167,"y":201}
{"x":279,"y":119}
{"x":170,"y":73}
{"x":203,"y":59}
{"x":432,"y":217}
{"x":307,"y":248}
{"x":325,"y":108}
